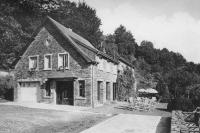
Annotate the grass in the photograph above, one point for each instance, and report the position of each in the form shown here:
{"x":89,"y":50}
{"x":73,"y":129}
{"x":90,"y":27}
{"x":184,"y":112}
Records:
{"x":16,"y":119}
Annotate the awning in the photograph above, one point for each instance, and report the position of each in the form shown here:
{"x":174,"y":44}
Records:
{"x":141,"y":90}
{"x":152,"y":91}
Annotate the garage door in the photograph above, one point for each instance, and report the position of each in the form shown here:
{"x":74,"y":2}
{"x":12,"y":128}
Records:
{"x":28,"y":92}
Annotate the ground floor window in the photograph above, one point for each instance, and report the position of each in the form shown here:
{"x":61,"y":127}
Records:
{"x":48,"y":90}
{"x":82,"y":88}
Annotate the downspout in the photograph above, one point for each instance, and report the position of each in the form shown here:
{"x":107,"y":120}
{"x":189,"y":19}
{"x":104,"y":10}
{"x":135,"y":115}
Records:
{"x":92,"y":86}
{"x":94,"y":63}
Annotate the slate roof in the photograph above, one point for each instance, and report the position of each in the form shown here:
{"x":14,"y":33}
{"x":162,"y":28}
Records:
{"x":69,"y":35}
{"x":77,"y":40}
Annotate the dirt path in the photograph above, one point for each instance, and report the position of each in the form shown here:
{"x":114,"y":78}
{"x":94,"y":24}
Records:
{"x":127,"y":123}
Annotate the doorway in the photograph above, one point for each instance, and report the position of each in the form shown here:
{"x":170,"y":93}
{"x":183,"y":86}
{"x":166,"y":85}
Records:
{"x":65,"y":93}
{"x":114,"y":91}
{"x":107,"y":91}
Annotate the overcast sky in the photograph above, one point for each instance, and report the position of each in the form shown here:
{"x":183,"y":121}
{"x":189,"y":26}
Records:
{"x":174,"y":24}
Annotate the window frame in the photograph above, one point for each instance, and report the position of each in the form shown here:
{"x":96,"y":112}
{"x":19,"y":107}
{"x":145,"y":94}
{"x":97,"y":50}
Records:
{"x":37,"y":68}
{"x":45,"y":67}
{"x":65,"y":53}
{"x":80,"y":89}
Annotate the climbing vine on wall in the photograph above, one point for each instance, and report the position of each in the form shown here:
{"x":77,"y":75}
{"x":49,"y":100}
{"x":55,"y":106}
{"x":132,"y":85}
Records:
{"x":125,"y":84}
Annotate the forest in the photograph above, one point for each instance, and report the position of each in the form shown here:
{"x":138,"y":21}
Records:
{"x":169,"y":72}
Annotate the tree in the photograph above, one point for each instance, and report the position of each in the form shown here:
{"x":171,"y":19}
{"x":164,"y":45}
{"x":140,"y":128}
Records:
{"x":20,"y":18}
{"x":194,"y":93}
{"x":125,"y":42}
{"x":179,"y":80}
{"x":147,"y":51}
{"x":109,"y":45}
{"x":7,"y":85}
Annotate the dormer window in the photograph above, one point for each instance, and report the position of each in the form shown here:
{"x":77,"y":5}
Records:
{"x":47,"y":62}
{"x":63,"y":61}
{"x":33,"y":62}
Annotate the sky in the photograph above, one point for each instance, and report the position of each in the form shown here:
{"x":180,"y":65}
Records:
{"x":172,"y":24}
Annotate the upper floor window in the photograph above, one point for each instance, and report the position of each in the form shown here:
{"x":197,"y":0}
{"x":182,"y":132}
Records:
{"x":100,"y":65}
{"x":47,"y":90}
{"x":63,"y":60}
{"x":48,"y":62}
{"x":82,"y":88}
{"x":33,"y":62}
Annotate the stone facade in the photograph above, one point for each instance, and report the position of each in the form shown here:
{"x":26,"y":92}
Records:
{"x":78,"y":66}
{"x":50,"y":40}
{"x":105,"y":77}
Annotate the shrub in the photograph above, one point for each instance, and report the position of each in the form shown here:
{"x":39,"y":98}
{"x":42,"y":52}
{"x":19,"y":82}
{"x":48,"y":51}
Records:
{"x":181,"y":103}
{"x":7,"y":85}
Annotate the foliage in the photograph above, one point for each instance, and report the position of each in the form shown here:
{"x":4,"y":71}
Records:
{"x":181,"y":103}
{"x":6,"y":83}
{"x":126,"y":45}
{"x":162,"y":89}
{"x":20,"y":18}
{"x":193,"y":92}
{"x":125,"y":84}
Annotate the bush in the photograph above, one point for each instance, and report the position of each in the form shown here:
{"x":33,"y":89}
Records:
{"x":7,"y":85}
{"x":181,"y":103}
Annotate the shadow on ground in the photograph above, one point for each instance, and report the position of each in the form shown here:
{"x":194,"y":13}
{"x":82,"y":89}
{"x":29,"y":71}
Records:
{"x":124,"y":108}
{"x":164,"y":125}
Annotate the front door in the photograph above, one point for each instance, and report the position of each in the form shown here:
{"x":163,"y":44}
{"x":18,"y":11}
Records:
{"x":114,"y":91}
{"x":64,"y":91}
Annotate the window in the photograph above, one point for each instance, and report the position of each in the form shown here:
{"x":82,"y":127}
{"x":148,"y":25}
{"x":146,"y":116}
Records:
{"x":107,"y":66}
{"x":33,"y":62}
{"x":65,"y":94}
{"x":104,"y":65}
{"x":81,"y":88}
{"x":48,"y":62}
{"x":100,"y":65}
{"x":63,"y":61}
{"x":47,"y":90}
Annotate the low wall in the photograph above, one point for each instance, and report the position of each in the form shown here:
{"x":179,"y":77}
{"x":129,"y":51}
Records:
{"x":179,"y":125}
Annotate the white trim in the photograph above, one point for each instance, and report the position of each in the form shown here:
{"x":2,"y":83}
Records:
{"x":51,"y":55}
{"x":45,"y":93}
{"x":37,"y":61}
{"x":68,"y":59}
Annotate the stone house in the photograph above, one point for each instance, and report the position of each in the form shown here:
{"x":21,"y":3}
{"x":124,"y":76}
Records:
{"x":61,"y":67}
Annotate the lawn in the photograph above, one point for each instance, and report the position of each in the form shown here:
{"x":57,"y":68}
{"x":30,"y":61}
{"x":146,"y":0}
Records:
{"x":16,"y":119}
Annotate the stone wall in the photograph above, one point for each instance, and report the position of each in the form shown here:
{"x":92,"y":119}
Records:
{"x":179,"y":125}
{"x":104,"y":77}
{"x":57,"y":44}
